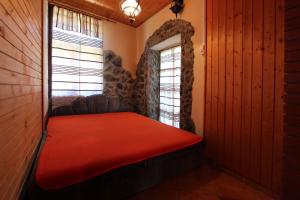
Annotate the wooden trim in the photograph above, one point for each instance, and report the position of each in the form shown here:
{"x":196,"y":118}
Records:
{"x":72,"y":8}
{"x":50,"y":27}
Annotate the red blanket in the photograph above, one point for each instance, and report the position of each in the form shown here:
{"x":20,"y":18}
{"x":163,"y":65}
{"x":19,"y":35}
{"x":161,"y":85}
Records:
{"x":80,"y":147}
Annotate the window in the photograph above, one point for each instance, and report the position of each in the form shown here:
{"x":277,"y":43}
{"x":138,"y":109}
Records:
{"x":170,"y":72}
{"x":77,"y":54}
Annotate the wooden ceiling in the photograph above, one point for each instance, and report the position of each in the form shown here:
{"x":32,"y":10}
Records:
{"x":110,"y":9}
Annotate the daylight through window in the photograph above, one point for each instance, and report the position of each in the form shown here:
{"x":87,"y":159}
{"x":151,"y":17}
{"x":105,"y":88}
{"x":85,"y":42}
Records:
{"x":170,"y":72}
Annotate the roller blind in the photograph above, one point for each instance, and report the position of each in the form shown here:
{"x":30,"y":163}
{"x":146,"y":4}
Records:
{"x":77,"y":54}
{"x":170,"y":72}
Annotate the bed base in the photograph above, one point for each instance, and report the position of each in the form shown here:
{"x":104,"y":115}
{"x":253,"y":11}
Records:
{"x":126,"y":181}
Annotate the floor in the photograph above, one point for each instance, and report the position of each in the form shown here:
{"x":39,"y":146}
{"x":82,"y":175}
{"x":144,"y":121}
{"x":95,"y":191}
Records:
{"x":205,"y":183}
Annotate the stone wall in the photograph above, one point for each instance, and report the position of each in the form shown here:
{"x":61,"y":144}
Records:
{"x":117,"y":81}
{"x":146,"y":93}
{"x":147,"y":84}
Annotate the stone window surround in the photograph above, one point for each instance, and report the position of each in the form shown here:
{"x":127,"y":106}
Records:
{"x":146,"y":93}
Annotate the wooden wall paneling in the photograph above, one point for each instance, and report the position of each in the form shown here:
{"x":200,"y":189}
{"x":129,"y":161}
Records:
{"x":268,"y":93}
{"x":279,"y":109}
{"x":36,"y":5}
{"x":247,"y":86}
{"x":291,"y":170}
{"x":23,"y":12}
{"x":34,"y":16}
{"x":111,"y":9}
{"x":221,"y":77}
{"x":237,"y":84}
{"x":18,"y":20}
{"x":9,"y":91}
{"x":15,"y":41}
{"x":291,"y":4}
{"x":244,"y":88}
{"x":20,"y":91}
{"x":257,"y":77}
{"x":15,"y":148}
{"x":215,"y":81}
{"x":6,"y":19}
{"x":12,"y":65}
{"x":208,"y":89}
{"x":229,"y":83}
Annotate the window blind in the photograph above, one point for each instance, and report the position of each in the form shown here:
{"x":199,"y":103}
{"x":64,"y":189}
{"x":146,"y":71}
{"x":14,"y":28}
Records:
{"x":77,"y":54}
{"x":170,"y":72}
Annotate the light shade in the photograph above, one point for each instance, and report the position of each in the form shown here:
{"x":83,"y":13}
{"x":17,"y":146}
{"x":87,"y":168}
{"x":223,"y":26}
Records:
{"x":131,"y":8}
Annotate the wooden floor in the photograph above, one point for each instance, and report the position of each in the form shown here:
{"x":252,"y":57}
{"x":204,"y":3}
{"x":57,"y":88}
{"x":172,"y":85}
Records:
{"x":205,"y":183}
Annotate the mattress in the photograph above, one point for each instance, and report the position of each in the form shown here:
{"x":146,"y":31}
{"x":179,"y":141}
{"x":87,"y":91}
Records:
{"x":80,"y":147}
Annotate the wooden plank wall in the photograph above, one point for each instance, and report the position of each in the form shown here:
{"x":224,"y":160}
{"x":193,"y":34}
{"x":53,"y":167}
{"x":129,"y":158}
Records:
{"x":291,"y":172}
{"x":20,"y":90}
{"x":244,"y":88}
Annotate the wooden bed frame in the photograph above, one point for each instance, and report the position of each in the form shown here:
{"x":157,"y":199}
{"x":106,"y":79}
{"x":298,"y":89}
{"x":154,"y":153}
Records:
{"x":123,"y":182}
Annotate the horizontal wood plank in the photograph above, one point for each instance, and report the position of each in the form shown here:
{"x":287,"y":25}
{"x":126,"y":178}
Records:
{"x":20,"y":91}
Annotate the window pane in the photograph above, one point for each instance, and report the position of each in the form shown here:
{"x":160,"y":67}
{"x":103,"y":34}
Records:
{"x":77,"y":64}
{"x":170,"y":73}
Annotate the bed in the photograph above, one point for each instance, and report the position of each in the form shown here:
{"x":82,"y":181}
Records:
{"x":109,"y":156}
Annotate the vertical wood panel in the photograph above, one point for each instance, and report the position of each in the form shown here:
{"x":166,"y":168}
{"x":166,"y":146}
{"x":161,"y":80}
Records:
{"x":278,"y":109}
{"x":215,"y":73}
{"x":256,"y":111}
{"x":245,"y":67}
{"x":21,"y":91}
{"x":208,"y":90}
{"x":229,"y":84}
{"x":237,"y":84}
{"x":221,"y":77}
{"x":247,"y":84}
{"x":268,"y":92}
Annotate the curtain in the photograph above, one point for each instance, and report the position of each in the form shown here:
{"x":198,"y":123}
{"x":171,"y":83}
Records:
{"x":170,"y":72}
{"x":77,"y":54}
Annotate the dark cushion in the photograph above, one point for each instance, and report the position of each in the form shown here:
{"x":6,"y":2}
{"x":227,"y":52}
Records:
{"x":113,"y":104}
{"x":63,"y":110}
{"x":125,"y":108}
{"x":79,"y":106}
{"x":97,"y":104}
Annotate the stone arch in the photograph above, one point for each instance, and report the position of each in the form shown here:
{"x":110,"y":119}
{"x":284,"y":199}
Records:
{"x":146,"y":92}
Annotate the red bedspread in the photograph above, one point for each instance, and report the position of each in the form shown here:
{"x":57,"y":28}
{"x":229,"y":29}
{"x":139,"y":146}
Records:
{"x":80,"y":147}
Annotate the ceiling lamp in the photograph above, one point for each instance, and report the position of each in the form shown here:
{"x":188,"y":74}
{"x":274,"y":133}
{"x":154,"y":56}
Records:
{"x":131,"y":8}
{"x":177,"y":6}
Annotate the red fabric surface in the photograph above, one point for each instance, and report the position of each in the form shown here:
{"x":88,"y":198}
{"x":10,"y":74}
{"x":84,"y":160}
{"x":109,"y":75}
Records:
{"x":80,"y":147}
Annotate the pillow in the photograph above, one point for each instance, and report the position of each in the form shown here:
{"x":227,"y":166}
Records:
{"x":113,"y":104}
{"x":125,"y":108}
{"x":97,"y":104}
{"x":79,"y":106}
{"x":63,"y":110}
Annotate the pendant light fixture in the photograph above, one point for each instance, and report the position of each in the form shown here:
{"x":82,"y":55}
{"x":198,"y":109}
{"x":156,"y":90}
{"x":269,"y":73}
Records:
{"x":177,"y":6}
{"x":131,"y":8}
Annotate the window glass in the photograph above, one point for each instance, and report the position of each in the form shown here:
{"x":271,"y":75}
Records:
{"x":170,"y":72}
